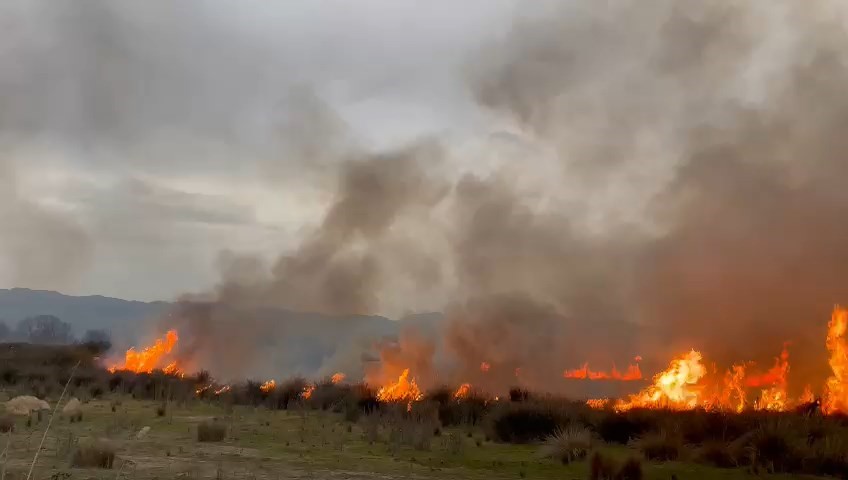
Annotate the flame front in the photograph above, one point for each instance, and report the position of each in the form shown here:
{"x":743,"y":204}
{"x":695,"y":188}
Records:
{"x":463,"y":391}
{"x":632,"y":373}
{"x":836,"y":389}
{"x":404,"y":390}
{"x":337,"y":378}
{"x":268,"y":386}
{"x":675,"y":388}
{"x":152,"y":357}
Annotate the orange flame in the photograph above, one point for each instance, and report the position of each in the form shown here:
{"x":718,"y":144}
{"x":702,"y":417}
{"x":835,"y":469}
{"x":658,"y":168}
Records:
{"x":463,"y":391}
{"x":675,"y":388}
{"x":598,"y":403}
{"x":224,"y":389}
{"x":307,"y":392}
{"x":484,"y":367}
{"x":268,"y":386}
{"x":836,"y":389}
{"x":405,"y":389}
{"x":337,"y":377}
{"x":807,"y":396}
{"x":632,"y":373}
{"x":150,"y":358}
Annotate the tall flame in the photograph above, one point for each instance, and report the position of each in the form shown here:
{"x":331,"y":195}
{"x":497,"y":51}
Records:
{"x":836,"y":389}
{"x":405,"y":389}
{"x":463,"y":391}
{"x":674,"y":388}
{"x":268,"y":386}
{"x":152,"y":357}
{"x":337,"y":377}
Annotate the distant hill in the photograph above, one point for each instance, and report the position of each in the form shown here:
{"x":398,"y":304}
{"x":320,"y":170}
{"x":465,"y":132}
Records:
{"x":83,"y":313}
{"x":305,"y":343}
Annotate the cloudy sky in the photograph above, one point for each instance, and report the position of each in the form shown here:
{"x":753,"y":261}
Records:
{"x":139,"y":140}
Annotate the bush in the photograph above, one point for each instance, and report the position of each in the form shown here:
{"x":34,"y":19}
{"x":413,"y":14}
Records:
{"x":328,"y":395}
{"x":7,"y":423}
{"x":287,"y":393}
{"x":775,"y":448}
{"x":94,"y":455}
{"x":602,"y":467}
{"x":569,"y":445}
{"x":518,"y":395}
{"x":828,"y":457}
{"x":661,"y":446}
{"x":718,"y":454}
{"x":622,"y":427}
{"x":211,"y":432}
{"x":524,"y":422}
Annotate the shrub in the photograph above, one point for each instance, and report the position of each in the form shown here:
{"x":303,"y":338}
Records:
{"x":775,"y":448}
{"x":211,"y":432}
{"x":328,"y":395}
{"x":602,"y":467}
{"x":828,"y":456}
{"x":7,"y":423}
{"x":524,"y":422}
{"x":718,"y":454}
{"x":518,"y":395}
{"x":287,"y":393}
{"x":568,"y":445}
{"x":97,"y":454}
{"x":622,"y":427}
{"x":661,"y":446}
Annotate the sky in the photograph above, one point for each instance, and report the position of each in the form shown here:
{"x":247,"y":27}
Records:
{"x":140,"y":140}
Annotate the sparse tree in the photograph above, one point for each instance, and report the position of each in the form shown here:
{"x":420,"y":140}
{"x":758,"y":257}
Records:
{"x":45,"y":329}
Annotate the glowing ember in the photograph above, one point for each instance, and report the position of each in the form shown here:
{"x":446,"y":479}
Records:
{"x":674,"y":388}
{"x":307,"y":392}
{"x":150,"y":358}
{"x":632,"y":373}
{"x":224,"y":389}
{"x":484,"y":367}
{"x":268,"y":386}
{"x":463,"y":391}
{"x":337,"y":377}
{"x":404,"y":390}
{"x":836,"y":389}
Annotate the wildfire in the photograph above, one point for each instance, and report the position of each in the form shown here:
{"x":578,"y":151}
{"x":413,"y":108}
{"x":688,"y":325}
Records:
{"x":484,"y":367}
{"x":836,"y":389}
{"x":337,"y":378}
{"x":632,"y":373}
{"x":598,"y":403}
{"x":307,"y":392}
{"x":151,"y":358}
{"x":675,"y":388}
{"x":268,"y":386}
{"x":404,"y":390}
{"x":463,"y":391}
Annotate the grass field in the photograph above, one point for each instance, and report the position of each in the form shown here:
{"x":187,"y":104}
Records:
{"x":273,"y":444}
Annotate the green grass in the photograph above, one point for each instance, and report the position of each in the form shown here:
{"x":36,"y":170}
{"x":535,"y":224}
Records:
{"x":261,"y":443}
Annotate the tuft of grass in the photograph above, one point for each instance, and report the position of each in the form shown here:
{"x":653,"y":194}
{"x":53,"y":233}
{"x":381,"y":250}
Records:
{"x":775,"y":448}
{"x":718,"y":454}
{"x":603,"y":467}
{"x":524,"y":422}
{"x":828,"y":456}
{"x":569,"y":445}
{"x":211,"y":432}
{"x":662,"y":446}
{"x":7,"y":423}
{"x":97,"y":454}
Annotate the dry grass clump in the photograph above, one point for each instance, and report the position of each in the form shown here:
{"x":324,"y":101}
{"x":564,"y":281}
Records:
{"x":568,"y":445}
{"x":7,"y":423}
{"x":603,"y":467}
{"x":211,"y":432}
{"x":661,"y":446}
{"x":98,"y":454}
